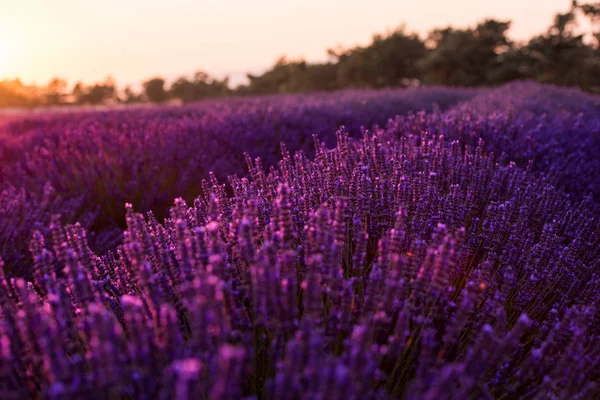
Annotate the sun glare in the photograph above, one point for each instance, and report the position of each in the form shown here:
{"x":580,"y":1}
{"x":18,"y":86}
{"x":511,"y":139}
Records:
{"x":6,"y":54}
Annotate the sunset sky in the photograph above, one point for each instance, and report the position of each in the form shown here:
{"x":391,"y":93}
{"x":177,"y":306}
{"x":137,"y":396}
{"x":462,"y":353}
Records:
{"x":135,"y":39}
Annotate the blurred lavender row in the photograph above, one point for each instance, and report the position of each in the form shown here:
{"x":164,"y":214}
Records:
{"x":426,"y":259}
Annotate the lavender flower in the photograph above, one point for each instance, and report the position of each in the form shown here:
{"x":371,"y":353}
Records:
{"x":410,"y":262}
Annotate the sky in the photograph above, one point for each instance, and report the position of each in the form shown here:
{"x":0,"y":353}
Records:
{"x":132,"y":40}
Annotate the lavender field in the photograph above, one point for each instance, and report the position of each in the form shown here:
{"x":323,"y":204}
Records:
{"x":432,"y":243}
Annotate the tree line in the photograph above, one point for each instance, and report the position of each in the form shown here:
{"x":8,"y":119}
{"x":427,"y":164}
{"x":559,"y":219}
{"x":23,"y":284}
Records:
{"x":482,"y":55}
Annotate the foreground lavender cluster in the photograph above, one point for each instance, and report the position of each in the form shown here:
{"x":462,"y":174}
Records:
{"x":393,"y":265}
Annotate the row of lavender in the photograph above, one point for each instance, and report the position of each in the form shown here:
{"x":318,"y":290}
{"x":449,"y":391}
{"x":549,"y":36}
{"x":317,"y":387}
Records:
{"x":148,"y":157}
{"x":557,"y":130}
{"x":95,"y":162}
{"x":385,"y":267}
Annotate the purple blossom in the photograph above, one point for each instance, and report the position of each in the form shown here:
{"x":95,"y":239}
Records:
{"x":415,"y":261}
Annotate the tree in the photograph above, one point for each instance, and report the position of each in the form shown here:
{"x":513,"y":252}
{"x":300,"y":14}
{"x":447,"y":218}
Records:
{"x":202,"y":86}
{"x":467,"y":57}
{"x":154,"y":90}
{"x":207,"y":86}
{"x":79,"y":93}
{"x":562,"y":57}
{"x":292,"y":77}
{"x":390,"y":60}
{"x":14,"y":94}
{"x":592,"y":12}
{"x":183,"y":89}
{"x":283,"y":77}
{"x":56,"y":92}
{"x":130,"y":96}
{"x":99,"y":93}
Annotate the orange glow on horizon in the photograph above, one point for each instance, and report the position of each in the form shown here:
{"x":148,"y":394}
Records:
{"x":134,"y":40}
